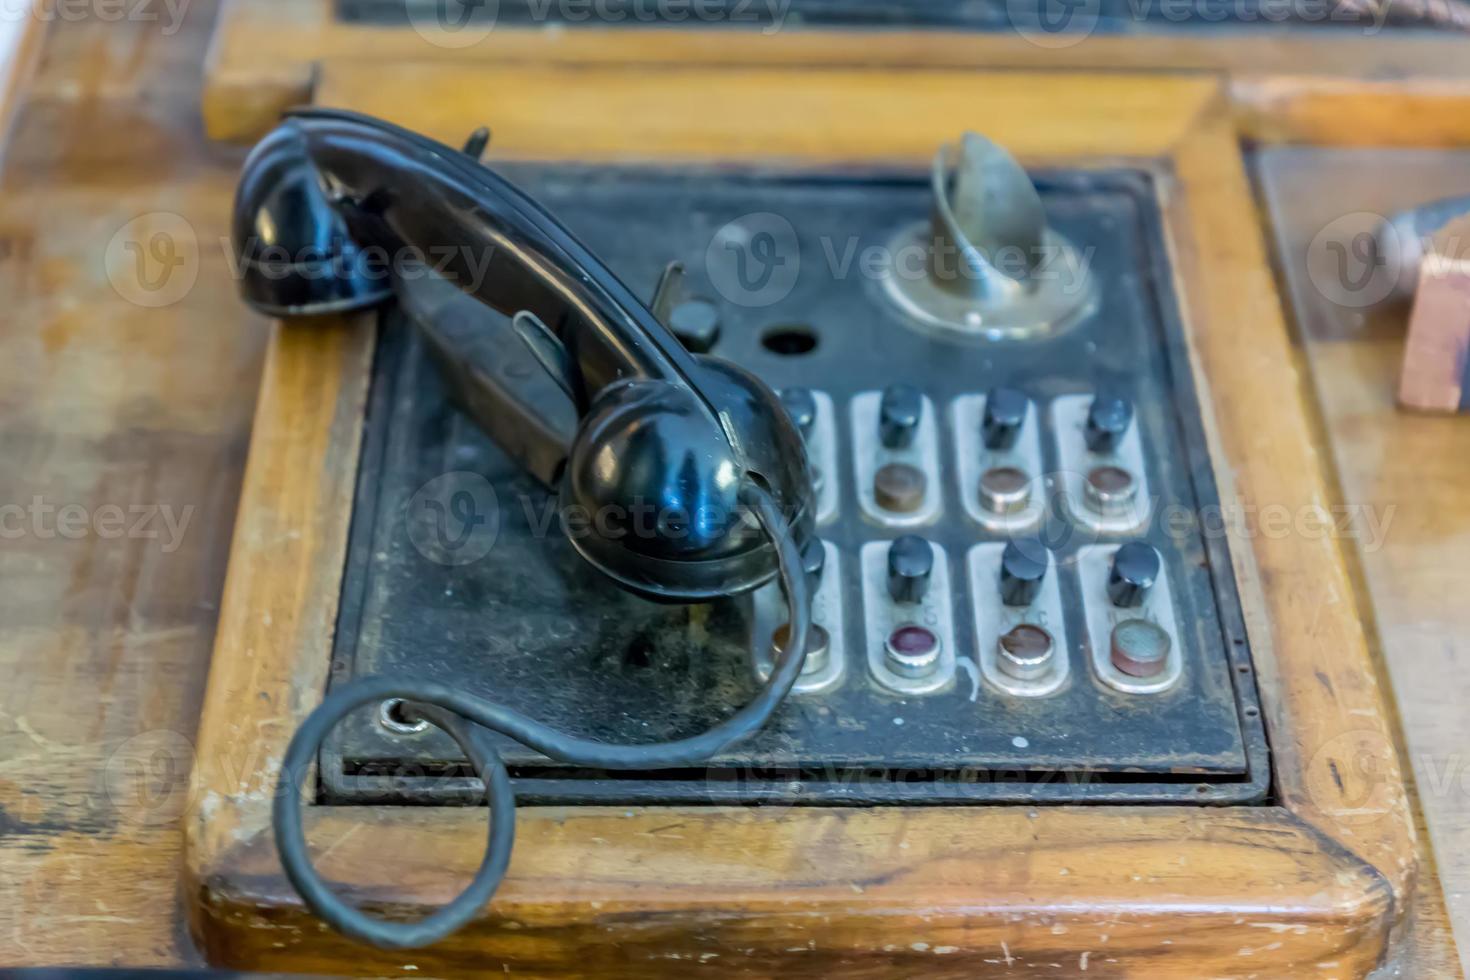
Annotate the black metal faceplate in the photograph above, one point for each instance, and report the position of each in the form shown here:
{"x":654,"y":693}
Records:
{"x":467,"y":20}
{"x":530,"y":625}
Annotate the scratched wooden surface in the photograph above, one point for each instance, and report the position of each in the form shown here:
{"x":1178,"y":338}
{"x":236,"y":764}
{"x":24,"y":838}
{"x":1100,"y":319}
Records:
{"x":1407,"y":471}
{"x":1301,"y":85}
{"x":124,"y":426}
{"x":106,"y":617}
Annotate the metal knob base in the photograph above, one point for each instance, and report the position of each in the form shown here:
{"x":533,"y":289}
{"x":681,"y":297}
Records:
{"x":985,"y":265}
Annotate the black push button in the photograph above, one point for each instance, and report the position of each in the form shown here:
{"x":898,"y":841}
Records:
{"x":814,"y":561}
{"x":898,"y":415}
{"x":1135,"y":570}
{"x":910,"y":565}
{"x":1005,"y":413}
{"x":1108,"y":419}
{"x":1022,"y":569}
{"x":696,"y":322}
{"x":801,"y":405}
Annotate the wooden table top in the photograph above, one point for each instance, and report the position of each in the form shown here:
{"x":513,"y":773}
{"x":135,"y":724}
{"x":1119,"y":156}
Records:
{"x":1403,"y":474}
{"x":125,"y":416}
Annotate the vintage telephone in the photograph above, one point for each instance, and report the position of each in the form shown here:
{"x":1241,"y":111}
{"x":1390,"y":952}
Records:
{"x":643,"y":421}
{"x":957,"y":488}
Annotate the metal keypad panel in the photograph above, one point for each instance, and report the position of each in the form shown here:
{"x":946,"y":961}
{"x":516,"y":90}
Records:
{"x":910,"y":696}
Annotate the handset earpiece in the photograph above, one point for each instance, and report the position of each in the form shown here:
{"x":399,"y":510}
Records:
{"x":663,"y":440}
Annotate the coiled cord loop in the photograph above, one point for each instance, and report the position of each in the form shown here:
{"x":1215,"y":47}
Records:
{"x":465,"y":717}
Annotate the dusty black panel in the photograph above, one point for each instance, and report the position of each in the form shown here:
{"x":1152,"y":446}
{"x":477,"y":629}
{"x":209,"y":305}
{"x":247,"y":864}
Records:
{"x":530,"y":625}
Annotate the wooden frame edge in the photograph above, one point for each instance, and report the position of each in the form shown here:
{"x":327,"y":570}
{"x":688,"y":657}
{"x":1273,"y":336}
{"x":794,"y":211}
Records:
{"x":811,"y":891}
{"x":1339,"y":770}
{"x":777,"y":114}
{"x":290,"y":535}
{"x":264,"y":59}
{"x":1099,"y":870}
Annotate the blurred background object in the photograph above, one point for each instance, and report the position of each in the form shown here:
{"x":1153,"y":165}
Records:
{"x":1436,"y":374}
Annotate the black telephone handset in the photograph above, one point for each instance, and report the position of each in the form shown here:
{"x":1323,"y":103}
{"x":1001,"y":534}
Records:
{"x":387,"y":211}
{"x":337,"y":211}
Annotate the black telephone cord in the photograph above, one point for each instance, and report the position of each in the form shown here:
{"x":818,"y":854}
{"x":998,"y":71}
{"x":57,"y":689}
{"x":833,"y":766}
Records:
{"x":465,"y":717}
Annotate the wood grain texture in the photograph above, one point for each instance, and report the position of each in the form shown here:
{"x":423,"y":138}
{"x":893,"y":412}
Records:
{"x":106,"y":641}
{"x":1406,"y":471}
{"x":827,"y":116}
{"x":1155,"y":892}
{"x":296,"y":506}
{"x":806,"y":889}
{"x":1292,"y":107}
{"x":105,"y":629}
{"x":1332,"y":748}
{"x":1296,"y":87}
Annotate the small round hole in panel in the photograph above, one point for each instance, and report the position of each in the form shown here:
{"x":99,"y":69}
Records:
{"x":790,"y":339}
